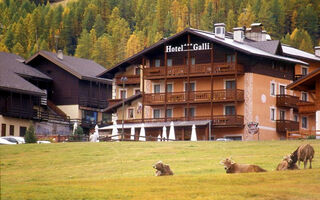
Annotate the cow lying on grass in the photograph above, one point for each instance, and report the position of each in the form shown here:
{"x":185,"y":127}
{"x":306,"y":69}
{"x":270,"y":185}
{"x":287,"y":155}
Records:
{"x":303,"y":153}
{"x":286,"y":164}
{"x":232,"y":167}
{"x":162,"y":169}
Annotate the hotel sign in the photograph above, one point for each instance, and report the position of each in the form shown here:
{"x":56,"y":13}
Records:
{"x":188,"y":47}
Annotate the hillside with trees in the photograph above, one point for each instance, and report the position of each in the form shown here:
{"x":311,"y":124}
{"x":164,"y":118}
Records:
{"x":108,"y":31}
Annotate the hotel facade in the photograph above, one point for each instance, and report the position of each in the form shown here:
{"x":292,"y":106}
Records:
{"x":230,"y":85}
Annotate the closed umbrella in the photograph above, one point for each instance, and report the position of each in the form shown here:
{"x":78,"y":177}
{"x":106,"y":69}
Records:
{"x":142,"y":136}
{"x":114,"y":132}
{"x":159,"y":138}
{"x":193,"y":133}
{"x":132,"y":134}
{"x":75,"y":125}
{"x":164,"y":133}
{"x":96,"y":133}
{"x":171,"y":132}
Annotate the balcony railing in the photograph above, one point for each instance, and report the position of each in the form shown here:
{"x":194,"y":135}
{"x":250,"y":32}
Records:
{"x":194,"y":97}
{"x":195,"y":70}
{"x":284,"y":125}
{"x":18,"y":112}
{"x":93,"y":102}
{"x":288,"y":101}
{"x":131,"y":79}
{"x":305,"y":107}
{"x":217,"y":120}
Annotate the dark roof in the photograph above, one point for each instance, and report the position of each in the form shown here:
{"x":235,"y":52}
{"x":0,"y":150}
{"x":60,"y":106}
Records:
{"x":12,"y":71}
{"x":254,"y":49}
{"x":270,"y":46}
{"x":119,"y":104}
{"x":306,"y":82}
{"x":81,"y":68}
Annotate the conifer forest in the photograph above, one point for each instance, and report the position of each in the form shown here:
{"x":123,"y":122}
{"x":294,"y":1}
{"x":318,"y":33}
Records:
{"x":108,"y":31}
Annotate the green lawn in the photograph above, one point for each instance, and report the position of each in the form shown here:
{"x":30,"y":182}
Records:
{"x":123,"y":170}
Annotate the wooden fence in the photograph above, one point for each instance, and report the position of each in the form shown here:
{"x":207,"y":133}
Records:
{"x":302,"y":134}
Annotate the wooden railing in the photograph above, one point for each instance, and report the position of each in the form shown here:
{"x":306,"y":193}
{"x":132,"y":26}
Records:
{"x":194,"y":97}
{"x":284,"y":100}
{"x":195,"y":70}
{"x":217,"y":120}
{"x":18,"y":112}
{"x":50,"y":117}
{"x":302,"y":134}
{"x":305,"y":107}
{"x":286,"y":125}
{"x":131,"y":79}
{"x":57,"y":110}
{"x":93,"y":102}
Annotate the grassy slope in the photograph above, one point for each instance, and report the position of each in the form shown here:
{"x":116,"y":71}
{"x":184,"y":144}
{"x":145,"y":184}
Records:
{"x":123,"y":171}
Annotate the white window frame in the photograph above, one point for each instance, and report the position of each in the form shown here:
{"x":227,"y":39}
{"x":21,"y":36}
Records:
{"x":306,"y":122}
{"x":153,"y":84}
{"x":195,"y":85}
{"x":304,"y":67}
{"x":171,"y":111}
{"x":274,"y":114}
{"x":168,"y":62}
{"x":126,"y":90}
{"x":128,"y":113}
{"x":281,"y":110}
{"x":159,"y":112}
{"x":275,"y":88}
{"x":285,"y":91}
{"x":225,"y":82}
{"x":224,"y":107}
{"x":307,"y":96}
{"x":171,"y":84}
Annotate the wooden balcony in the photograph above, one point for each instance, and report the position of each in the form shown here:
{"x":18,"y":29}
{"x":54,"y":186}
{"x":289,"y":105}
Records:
{"x":284,"y":125}
{"x":305,"y":107}
{"x":93,"y":102}
{"x":217,"y":120}
{"x":131,"y":79}
{"x":198,"y":70}
{"x":194,"y":97}
{"x":18,"y":112}
{"x":287,"y":101}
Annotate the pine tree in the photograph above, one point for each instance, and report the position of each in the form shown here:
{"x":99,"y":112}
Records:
{"x":231,"y":22}
{"x":99,"y":25}
{"x":84,"y":44}
{"x":18,"y":49}
{"x":30,"y":136}
{"x":247,"y":17}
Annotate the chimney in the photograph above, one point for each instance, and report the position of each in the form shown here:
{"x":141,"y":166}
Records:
{"x":60,"y":54}
{"x":317,"y":51}
{"x":238,"y":34}
{"x":219,"y":30}
{"x":256,"y":33}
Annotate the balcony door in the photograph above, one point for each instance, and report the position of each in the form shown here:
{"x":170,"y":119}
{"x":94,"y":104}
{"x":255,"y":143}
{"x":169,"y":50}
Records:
{"x":230,"y":110}
{"x":156,"y":88}
{"x":282,"y":115}
{"x":230,"y":84}
{"x":282,"y":90}
{"x":192,"y":87}
{"x":191,"y":112}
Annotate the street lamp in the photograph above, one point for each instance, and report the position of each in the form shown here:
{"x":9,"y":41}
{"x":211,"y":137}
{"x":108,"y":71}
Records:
{"x":123,"y":80}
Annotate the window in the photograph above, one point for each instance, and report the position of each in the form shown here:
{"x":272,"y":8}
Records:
{"x":282,"y":115}
{"x":193,"y":61}
{"x":230,"y":84}
{"x":156,"y":88}
{"x":273,"y":114}
{"x":137,"y":70}
{"x":89,"y":116}
{"x":229,"y":110}
{"x":304,"y":96}
{"x":106,"y":117}
{"x":282,"y":89}
{"x":169,"y":113}
{"x":169,"y":62}
{"x":191,"y":112}
{"x":304,"y":122}
{"x":231,"y":58}
{"x":11,"y":130}
{"x":169,"y":87}
{"x":130,"y":113}
{"x":296,"y":118}
{"x":156,"y":113}
{"x":304,"y":70}
{"x":123,"y":94}
{"x":22,"y":131}
{"x":273,"y":89}
{"x":192,"y":86}
{"x":137,"y":91}
{"x":3,"y":129}
{"x":157,"y":63}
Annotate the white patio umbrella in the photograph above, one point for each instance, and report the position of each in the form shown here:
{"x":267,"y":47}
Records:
{"x":171,"y":132}
{"x":114,"y":131}
{"x":75,"y":125}
{"x":142,"y":136}
{"x":164,"y":132}
{"x":96,"y":133}
{"x":132,"y":134}
{"x":193,"y":133}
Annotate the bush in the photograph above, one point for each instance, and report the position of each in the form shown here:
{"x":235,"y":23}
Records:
{"x":311,"y":137}
{"x":30,"y":136}
{"x":78,"y":131}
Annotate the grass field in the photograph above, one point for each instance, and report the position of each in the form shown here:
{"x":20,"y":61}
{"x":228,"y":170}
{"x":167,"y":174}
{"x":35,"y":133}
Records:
{"x":123,"y":170}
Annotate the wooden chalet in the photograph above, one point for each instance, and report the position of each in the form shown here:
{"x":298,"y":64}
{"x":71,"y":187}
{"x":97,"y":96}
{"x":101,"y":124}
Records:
{"x":75,"y":89}
{"x":216,"y":80}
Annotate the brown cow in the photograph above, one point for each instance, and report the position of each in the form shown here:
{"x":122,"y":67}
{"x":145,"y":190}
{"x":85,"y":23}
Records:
{"x":162,"y":169}
{"x":232,"y":167}
{"x":285,"y":164}
{"x":303,"y":153}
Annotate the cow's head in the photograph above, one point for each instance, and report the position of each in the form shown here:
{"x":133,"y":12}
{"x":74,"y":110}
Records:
{"x":287,"y":158}
{"x":159,"y":166}
{"x":227,"y":164}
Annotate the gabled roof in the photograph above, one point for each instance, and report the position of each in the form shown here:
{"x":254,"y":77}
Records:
{"x":83,"y":69}
{"x":297,"y":53}
{"x":306,"y":82}
{"x":271,"y":46}
{"x":254,"y":49}
{"x":12,"y":69}
{"x":119,"y":104}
